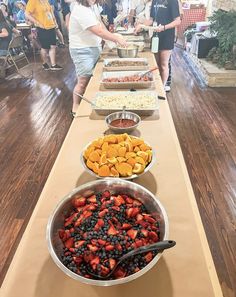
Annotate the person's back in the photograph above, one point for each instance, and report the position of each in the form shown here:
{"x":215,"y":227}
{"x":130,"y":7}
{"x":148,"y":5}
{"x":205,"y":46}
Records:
{"x":5,"y":35}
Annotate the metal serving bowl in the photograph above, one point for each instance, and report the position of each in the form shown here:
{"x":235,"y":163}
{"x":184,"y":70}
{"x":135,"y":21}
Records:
{"x":115,"y":186}
{"x":122,"y":115}
{"x":133,"y":176}
{"x":128,"y":52}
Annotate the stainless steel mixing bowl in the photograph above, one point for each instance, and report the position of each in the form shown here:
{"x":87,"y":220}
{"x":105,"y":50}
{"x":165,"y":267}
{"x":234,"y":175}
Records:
{"x":123,"y":115}
{"x":128,"y":52}
{"x":115,"y":186}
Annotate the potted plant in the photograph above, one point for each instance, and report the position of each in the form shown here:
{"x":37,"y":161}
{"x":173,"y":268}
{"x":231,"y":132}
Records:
{"x":223,"y":23}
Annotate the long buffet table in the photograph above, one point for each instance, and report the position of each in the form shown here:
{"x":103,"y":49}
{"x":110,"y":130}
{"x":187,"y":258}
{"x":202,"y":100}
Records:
{"x":187,"y":270}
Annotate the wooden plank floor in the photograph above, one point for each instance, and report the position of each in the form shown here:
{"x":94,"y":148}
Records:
{"x":34,"y":121}
{"x":205,"y":120}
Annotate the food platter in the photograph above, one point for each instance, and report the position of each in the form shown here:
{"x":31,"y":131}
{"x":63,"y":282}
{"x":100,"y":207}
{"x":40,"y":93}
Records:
{"x":112,"y":80}
{"x":106,"y":103}
{"x":124,"y":64}
{"x":130,"y":177}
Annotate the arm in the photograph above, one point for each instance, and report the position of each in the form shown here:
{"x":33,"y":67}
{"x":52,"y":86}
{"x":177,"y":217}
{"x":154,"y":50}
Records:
{"x":171,"y":25}
{"x":4,"y":33}
{"x":105,"y":34}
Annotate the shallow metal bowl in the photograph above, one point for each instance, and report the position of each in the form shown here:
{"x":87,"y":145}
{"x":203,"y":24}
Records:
{"x":128,"y":52}
{"x":123,"y":115}
{"x":133,"y":176}
{"x":115,"y":186}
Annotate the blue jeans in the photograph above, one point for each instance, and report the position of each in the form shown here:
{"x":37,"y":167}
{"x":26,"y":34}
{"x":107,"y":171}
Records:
{"x":3,"y":52}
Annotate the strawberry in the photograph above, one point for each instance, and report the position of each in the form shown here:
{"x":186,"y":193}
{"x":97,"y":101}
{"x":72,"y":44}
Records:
{"x":92,"y":248}
{"x":132,"y":233}
{"x":139,"y":217}
{"x":136,"y":269}
{"x":148,"y":257}
{"x":70,"y":220}
{"x":79,"y":243}
{"x":104,"y":270}
{"x":118,"y":200}
{"x":101,"y":242}
{"x":72,"y":250}
{"x":95,"y":262}
{"x":92,"y":199}
{"x":144,"y":232}
{"x":102,"y":213}
{"x":129,"y":212}
{"x":112,"y":263}
{"x":100,"y":223}
{"x":85,"y":235}
{"x":137,"y":202}
{"x":126,"y":226}
{"x":109,"y":247}
{"x":119,"y":273}
{"x":139,"y":243}
{"x":143,"y":224}
{"x":112,"y":230}
{"x":106,"y":194}
{"x":135,"y":211}
{"x":61,"y":233}
{"x":148,"y":218}
{"x":119,"y":247}
{"x":94,"y":241}
{"x":152,"y":235}
{"x":87,"y":214}
{"x":69,"y":243}
{"x":91,"y":207}
{"x":79,"y":201}
{"x":116,"y":208}
{"x":78,"y":260}
{"x":129,"y":200}
{"x":88,"y":256}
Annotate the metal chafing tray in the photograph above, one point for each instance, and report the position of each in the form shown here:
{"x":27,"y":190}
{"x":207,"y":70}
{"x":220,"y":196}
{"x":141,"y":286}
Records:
{"x":125,"y":85}
{"x":127,"y":67}
{"x":132,"y":96}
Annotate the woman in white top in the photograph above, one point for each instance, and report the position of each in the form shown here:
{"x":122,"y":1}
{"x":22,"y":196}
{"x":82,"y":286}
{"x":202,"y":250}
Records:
{"x":85,"y":35}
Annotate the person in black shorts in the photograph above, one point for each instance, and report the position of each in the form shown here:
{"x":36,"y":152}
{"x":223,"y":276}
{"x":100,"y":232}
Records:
{"x":165,"y":17}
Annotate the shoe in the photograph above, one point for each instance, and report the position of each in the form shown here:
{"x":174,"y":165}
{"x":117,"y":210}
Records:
{"x":167,"y":88}
{"x":72,"y":114}
{"x":61,"y":45}
{"x":45,"y":66}
{"x":56,"y":67}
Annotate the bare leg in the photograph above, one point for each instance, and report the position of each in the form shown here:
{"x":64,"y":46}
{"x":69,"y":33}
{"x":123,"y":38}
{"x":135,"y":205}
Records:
{"x":163,"y":58}
{"x":67,"y":19}
{"x":60,"y":36}
{"x":52,"y":55}
{"x":80,"y":89}
{"x":44,"y":55}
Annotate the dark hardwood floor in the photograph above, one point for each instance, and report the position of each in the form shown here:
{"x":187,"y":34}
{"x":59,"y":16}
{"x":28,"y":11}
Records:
{"x":34,"y":121}
{"x":205,"y":120}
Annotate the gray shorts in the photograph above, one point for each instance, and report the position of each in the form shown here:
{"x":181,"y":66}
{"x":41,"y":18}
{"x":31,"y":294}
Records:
{"x":85,"y":59}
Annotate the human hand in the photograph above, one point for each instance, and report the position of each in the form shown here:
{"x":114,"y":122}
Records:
{"x":138,"y":28}
{"x":159,"y":28}
{"x":121,"y":41}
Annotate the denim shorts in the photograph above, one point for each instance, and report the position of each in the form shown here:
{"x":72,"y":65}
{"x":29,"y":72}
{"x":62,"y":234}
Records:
{"x":3,"y":52}
{"x":85,"y":59}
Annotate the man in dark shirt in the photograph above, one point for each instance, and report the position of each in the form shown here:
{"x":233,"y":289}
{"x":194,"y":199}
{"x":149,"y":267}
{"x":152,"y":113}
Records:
{"x":5,"y":35}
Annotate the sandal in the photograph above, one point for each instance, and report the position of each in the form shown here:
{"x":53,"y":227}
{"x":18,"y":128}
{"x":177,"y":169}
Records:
{"x":72,"y":114}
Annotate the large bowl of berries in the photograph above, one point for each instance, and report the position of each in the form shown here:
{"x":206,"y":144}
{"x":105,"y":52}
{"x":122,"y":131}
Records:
{"x":98,"y":222}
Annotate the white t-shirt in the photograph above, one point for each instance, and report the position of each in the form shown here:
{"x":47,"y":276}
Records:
{"x":80,"y":20}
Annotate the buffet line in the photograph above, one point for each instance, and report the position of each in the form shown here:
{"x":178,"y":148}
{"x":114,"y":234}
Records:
{"x":116,"y":164}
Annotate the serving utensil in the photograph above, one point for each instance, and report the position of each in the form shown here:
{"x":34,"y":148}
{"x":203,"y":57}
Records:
{"x":123,"y":114}
{"x":158,"y":246}
{"x":149,"y":71}
{"x":85,"y":99}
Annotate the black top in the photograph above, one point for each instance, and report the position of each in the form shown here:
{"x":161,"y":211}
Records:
{"x":164,"y":11}
{"x":65,"y":7}
{"x":110,"y":11}
{"x":4,"y":41}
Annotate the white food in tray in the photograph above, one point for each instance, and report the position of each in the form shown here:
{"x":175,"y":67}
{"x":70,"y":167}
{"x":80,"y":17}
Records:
{"x":139,"y":100}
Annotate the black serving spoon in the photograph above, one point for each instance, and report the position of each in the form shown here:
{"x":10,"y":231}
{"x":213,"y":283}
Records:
{"x":158,"y":246}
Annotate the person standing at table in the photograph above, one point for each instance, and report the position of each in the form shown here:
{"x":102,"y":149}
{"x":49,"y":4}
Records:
{"x":40,"y":13}
{"x":165,"y":17}
{"x":86,"y":32}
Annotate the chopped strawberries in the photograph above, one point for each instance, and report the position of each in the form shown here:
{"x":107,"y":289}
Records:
{"x":103,"y":227}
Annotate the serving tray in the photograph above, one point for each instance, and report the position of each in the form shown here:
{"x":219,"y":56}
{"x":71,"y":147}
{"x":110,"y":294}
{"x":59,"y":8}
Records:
{"x":127,"y":67}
